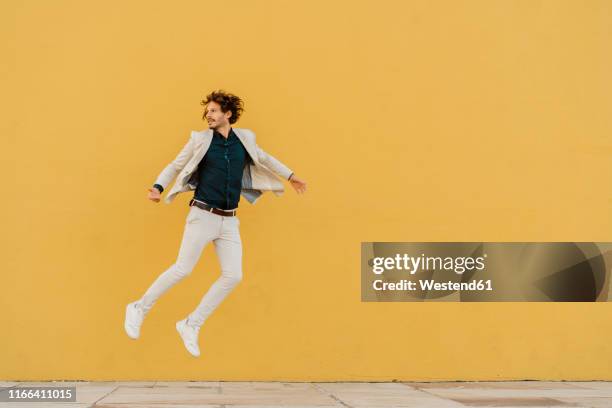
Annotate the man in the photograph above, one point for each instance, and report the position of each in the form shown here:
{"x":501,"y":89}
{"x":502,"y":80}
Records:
{"x":220,"y":164}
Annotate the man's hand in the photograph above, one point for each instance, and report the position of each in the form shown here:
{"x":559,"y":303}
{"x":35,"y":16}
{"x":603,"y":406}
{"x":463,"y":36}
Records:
{"x":154,"y":194}
{"x":298,"y":184}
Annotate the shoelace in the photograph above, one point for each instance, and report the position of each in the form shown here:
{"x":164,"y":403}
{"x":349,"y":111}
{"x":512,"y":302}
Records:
{"x":139,"y":311}
{"x":196,"y":329}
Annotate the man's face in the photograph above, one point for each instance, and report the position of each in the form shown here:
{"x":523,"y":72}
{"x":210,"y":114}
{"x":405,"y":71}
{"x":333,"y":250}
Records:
{"x":215,"y":117}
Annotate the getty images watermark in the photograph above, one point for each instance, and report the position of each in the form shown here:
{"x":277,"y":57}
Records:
{"x":412,"y":265}
{"x":485,"y":271}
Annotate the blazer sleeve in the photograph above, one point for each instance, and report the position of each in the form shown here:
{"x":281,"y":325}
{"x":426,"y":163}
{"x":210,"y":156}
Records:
{"x":175,"y":166}
{"x":272,"y":163}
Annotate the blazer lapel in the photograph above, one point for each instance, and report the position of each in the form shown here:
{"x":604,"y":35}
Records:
{"x":246,"y":143}
{"x":203,"y":147}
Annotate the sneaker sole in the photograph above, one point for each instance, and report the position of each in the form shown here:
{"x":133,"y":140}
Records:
{"x":126,"y":327}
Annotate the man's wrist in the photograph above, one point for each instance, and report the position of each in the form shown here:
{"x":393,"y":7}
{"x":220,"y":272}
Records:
{"x":289,"y":178}
{"x":159,"y":187}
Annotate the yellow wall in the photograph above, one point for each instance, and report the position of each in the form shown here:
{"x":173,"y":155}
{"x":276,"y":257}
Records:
{"x":410,"y":121}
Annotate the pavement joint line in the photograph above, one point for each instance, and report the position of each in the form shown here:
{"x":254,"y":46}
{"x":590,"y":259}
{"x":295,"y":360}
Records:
{"x":416,"y":388}
{"x":331,"y":395}
{"x":104,"y":396}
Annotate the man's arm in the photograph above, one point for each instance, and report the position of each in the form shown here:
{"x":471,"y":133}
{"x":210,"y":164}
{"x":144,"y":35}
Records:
{"x":280,"y":169}
{"x":171,"y":170}
{"x":272,"y":163}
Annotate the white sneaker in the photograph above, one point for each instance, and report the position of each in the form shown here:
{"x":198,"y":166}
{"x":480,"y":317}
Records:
{"x":133,"y":320}
{"x":189,"y":334}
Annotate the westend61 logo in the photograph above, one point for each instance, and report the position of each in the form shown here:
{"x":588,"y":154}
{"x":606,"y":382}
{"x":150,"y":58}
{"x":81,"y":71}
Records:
{"x":485,"y":271}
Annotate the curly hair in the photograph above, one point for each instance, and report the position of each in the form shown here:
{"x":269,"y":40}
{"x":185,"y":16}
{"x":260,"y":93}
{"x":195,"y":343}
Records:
{"x":227,"y":101}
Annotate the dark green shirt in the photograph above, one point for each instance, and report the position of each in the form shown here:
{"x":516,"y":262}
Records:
{"x":220,"y":172}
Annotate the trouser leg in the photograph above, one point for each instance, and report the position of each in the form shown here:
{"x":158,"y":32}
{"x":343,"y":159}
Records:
{"x":228,"y":247}
{"x":199,"y":230}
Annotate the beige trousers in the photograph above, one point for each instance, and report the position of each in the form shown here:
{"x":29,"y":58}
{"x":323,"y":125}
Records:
{"x":201,"y":227}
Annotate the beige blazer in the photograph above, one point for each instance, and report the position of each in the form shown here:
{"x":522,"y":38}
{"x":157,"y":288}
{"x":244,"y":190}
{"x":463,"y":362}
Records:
{"x":260,"y":174}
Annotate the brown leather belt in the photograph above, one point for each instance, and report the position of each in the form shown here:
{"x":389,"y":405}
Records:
{"x":213,"y":210}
